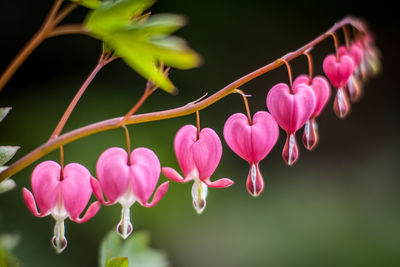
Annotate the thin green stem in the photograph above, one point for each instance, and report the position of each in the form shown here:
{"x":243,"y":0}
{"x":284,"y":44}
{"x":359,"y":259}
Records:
{"x":190,"y":108}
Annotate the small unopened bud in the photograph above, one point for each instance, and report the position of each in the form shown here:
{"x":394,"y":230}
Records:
{"x":341,"y":106}
{"x":290,"y":152}
{"x":311,"y":135}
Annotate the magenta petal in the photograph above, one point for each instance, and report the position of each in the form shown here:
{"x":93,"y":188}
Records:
{"x":207,"y":152}
{"x":338,"y":72}
{"x":113,"y":172}
{"x":184,"y":140}
{"x":98,"y":192}
{"x":251,"y":142}
{"x":145,"y":171}
{"x":45,"y":182}
{"x":91,"y":211}
{"x":291,"y":111}
{"x":321,"y":89}
{"x":75,"y":188}
{"x":237,"y":134}
{"x":158,"y":195}
{"x":220,"y":183}
{"x":172,"y":174}
{"x":30,"y":202}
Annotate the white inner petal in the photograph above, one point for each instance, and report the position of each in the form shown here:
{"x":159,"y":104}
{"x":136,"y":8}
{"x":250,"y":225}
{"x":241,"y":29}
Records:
{"x":253,"y":178}
{"x":291,"y":147}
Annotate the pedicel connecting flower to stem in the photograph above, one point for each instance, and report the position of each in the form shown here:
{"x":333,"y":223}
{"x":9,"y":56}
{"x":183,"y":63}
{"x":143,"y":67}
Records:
{"x":62,"y":193}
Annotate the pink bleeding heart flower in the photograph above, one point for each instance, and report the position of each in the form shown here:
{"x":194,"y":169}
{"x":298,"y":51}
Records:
{"x":252,"y":142}
{"x":338,"y":71}
{"x":354,"y":87}
{"x":126,"y":180}
{"x":62,"y":193}
{"x":322,"y":92}
{"x":291,"y":110}
{"x":198,"y":159}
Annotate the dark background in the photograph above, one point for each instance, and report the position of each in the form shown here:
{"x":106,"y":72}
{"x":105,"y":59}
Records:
{"x":338,"y":206}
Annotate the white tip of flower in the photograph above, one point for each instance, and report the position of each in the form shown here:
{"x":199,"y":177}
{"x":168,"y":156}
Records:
{"x":7,"y":185}
{"x":124,"y":227}
{"x":253,"y":178}
{"x":59,"y":241}
{"x":199,"y":194}
{"x":291,"y":148}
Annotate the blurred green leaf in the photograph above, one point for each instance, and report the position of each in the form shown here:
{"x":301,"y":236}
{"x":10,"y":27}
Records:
{"x":6,"y":153}
{"x":6,"y":185}
{"x":118,"y":262}
{"x":4,"y":112}
{"x":114,"y":15}
{"x":7,"y":243}
{"x":143,"y":41}
{"x":135,"y":248}
{"x":93,"y":4}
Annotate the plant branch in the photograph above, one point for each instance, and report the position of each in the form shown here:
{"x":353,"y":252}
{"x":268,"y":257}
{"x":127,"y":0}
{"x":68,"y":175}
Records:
{"x":44,"y":32}
{"x":104,"y":60}
{"x":67,"y":29}
{"x":172,"y":113}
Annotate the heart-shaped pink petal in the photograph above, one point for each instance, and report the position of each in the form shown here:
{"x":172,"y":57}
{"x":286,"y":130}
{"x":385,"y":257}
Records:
{"x":251,"y":142}
{"x":75,"y":188}
{"x":45,"y":185}
{"x":183,"y":144}
{"x":289,"y":110}
{"x":338,"y":71}
{"x":113,"y":172}
{"x":207,"y":152}
{"x":145,"y":171}
{"x":355,"y":52}
{"x":321,"y":89}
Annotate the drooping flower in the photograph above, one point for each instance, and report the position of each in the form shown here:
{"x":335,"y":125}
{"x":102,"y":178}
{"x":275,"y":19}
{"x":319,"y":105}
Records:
{"x":198,"y":159}
{"x":126,"y":180}
{"x":353,"y":87}
{"x":322,"y":92}
{"x":62,"y":193}
{"x":338,"y":70}
{"x":291,"y":110}
{"x":252,"y":142}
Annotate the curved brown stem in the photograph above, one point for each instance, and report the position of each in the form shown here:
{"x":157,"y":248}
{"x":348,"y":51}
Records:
{"x":167,"y":114}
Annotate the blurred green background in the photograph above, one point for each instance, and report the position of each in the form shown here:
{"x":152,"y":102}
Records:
{"x":338,"y":206}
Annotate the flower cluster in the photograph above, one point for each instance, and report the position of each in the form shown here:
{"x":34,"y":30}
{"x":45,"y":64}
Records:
{"x":126,"y":177}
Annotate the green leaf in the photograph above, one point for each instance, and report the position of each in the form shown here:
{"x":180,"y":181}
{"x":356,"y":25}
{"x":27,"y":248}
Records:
{"x":136,"y":54}
{"x":118,"y":262}
{"x":162,"y":24}
{"x":114,"y":15}
{"x":6,"y":153}
{"x":93,"y":4}
{"x":135,"y":248}
{"x":4,"y":112}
